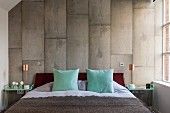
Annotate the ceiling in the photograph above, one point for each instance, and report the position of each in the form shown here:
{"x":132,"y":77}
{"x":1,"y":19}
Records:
{"x":8,"y":4}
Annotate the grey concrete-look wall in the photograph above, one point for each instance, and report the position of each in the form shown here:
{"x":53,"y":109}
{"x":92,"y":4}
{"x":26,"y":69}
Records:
{"x":143,"y":41}
{"x":97,"y":34}
{"x":121,"y":36}
{"x":158,"y":71}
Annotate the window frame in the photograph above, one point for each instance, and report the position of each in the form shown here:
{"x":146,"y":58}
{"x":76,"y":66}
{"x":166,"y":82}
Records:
{"x":163,"y":41}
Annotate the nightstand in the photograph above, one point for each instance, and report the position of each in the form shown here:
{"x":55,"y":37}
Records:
{"x":145,"y":95}
{"x":8,"y":89}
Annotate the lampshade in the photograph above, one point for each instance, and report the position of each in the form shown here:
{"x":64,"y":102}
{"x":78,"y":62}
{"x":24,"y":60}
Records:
{"x":25,"y":67}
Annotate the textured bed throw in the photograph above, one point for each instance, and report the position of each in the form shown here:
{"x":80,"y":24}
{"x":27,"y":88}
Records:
{"x":78,"y":105}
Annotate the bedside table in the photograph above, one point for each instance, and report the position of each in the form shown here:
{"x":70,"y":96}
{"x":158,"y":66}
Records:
{"x":7,"y":89}
{"x":145,"y":95}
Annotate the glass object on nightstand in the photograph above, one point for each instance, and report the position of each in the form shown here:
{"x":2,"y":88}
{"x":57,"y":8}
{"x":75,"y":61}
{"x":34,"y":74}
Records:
{"x":140,"y":88}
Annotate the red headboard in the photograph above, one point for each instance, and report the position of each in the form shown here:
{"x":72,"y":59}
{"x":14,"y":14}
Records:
{"x":43,"y":78}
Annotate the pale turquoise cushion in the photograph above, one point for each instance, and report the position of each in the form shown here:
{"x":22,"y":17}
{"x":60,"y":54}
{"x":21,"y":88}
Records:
{"x":100,"y":81}
{"x":65,"y":80}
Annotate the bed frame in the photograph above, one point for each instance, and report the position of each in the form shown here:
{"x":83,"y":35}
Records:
{"x":43,"y":78}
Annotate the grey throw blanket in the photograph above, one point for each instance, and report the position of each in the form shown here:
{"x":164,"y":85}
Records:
{"x":78,"y":105}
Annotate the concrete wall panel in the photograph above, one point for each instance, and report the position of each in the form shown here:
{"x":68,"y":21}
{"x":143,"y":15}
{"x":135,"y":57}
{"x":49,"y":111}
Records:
{"x":99,"y":12}
{"x":55,"y":54}
{"x":77,"y":42}
{"x":158,"y":39}
{"x":15,"y":65}
{"x":121,"y":25}
{"x":55,"y":18}
{"x":143,"y":75}
{"x":115,"y":64}
{"x":99,"y":51}
{"x":33,"y":0}
{"x":143,"y":4}
{"x":158,"y":17}
{"x":158,"y":58}
{"x":33,"y":30}
{"x":143,"y":42}
{"x":77,"y":6}
{"x":15,"y":27}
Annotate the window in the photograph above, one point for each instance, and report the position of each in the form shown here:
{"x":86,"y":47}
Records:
{"x":166,"y":41}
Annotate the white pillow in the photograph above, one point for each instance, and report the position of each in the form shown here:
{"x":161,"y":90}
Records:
{"x":117,"y":86}
{"x":45,"y":88}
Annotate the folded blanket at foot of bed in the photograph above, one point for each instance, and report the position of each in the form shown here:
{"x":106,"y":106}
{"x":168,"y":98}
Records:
{"x":70,"y":104}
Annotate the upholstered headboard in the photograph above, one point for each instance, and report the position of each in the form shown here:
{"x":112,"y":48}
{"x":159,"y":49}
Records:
{"x":43,"y":78}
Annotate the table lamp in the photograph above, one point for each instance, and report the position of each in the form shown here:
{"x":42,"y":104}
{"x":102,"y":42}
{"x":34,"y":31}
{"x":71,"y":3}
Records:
{"x":131,"y":68}
{"x":25,"y":69}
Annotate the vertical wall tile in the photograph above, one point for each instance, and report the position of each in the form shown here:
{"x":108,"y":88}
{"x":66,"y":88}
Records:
{"x":55,"y":18}
{"x":15,"y":65}
{"x":99,"y":51}
{"x":121,"y":25}
{"x":158,"y":58}
{"x":158,"y":17}
{"x":55,"y":54}
{"x":99,"y":12}
{"x":158,"y":39}
{"x":33,"y":30}
{"x":15,"y":27}
{"x":34,"y":67}
{"x":33,"y":0}
{"x":143,"y":41}
{"x":77,"y":6}
{"x":115,"y":64}
{"x":143,"y":75}
{"x":143,"y":4}
{"x":77,"y":42}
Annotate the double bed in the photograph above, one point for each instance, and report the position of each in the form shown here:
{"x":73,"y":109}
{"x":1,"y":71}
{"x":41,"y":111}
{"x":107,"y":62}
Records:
{"x":43,"y":100}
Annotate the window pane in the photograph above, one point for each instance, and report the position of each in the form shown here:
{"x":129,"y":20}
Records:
{"x":166,"y":39}
{"x":166,"y":67}
{"x":166,"y":11}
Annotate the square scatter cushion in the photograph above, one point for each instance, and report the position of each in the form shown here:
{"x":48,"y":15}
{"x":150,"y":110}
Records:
{"x":100,"y":81}
{"x":82,"y":85}
{"x":65,"y":80}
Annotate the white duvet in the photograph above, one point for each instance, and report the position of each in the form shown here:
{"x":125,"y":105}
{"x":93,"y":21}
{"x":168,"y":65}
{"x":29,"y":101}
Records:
{"x":119,"y":91}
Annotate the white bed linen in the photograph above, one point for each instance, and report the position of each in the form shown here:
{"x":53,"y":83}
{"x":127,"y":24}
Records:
{"x":124,"y":93}
{"x":45,"y":91}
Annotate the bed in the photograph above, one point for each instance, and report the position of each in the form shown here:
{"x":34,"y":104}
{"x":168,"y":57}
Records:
{"x":42,"y":100}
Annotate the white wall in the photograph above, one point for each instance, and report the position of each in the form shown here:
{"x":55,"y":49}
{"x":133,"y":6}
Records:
{"x":3,"y":52}
{"x":162,"y":97}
